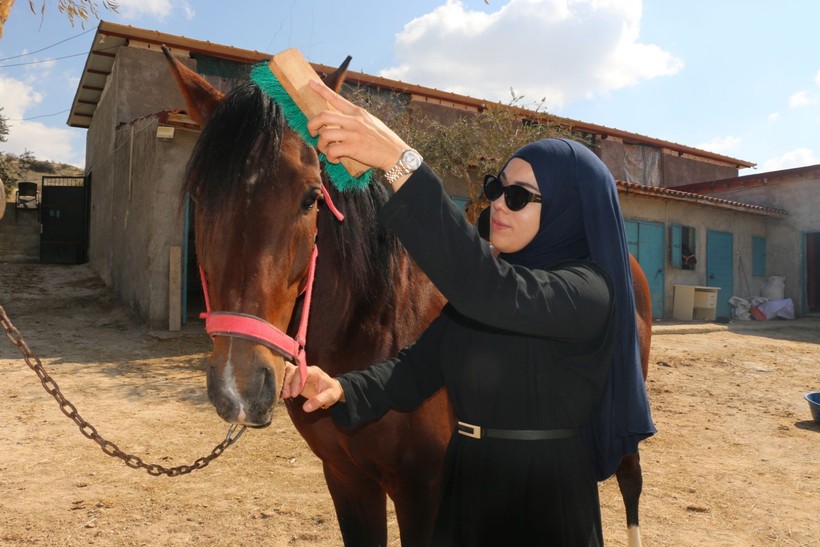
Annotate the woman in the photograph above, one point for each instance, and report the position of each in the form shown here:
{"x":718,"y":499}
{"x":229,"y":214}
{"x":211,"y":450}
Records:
{"x":536,"y":346}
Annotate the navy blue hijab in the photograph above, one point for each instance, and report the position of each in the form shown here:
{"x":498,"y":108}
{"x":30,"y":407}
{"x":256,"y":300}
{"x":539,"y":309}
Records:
{"x":581,"y":219}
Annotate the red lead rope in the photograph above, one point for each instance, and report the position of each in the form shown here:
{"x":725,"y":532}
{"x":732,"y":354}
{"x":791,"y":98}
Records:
{"x":253,"y":328}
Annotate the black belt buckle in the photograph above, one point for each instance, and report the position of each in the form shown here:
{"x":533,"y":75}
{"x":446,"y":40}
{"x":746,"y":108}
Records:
{"x":478,"y":432}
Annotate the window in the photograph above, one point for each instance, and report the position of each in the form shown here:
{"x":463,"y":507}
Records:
{"x":758,"y":256}
{"x":682,"y":247}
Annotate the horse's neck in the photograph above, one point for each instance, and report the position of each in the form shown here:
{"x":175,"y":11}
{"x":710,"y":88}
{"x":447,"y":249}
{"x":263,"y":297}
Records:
{"x":350,"y":331}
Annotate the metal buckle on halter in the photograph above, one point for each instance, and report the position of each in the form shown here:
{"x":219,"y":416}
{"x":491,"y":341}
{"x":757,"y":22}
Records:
{"x":469,"y":430}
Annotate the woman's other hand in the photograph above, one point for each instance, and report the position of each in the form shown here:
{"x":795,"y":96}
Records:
{"x":320,"y":389}
{"x":353,"y":132}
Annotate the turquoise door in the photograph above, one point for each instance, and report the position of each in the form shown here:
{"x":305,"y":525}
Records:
{"x":719,"y":268}
{"x":646,"y":243}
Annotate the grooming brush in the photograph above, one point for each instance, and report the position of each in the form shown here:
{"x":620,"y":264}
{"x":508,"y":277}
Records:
{"x":286,"y":80}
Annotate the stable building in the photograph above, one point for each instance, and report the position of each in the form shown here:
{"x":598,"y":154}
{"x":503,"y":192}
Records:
{"x":139,"y":140}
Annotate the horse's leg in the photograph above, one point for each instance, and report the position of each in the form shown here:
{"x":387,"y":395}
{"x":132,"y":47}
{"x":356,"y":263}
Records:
{"x":629,"y":475}
{"x":416,"y":498}
{"x":630,"y":481}
{"x":361,"y":505}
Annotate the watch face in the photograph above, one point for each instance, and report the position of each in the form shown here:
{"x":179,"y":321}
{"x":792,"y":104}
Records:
{"x":412,"y":159}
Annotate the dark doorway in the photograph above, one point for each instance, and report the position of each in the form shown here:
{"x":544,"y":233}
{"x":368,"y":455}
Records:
{"x":193,"y":301}
{"x":64,"y":221}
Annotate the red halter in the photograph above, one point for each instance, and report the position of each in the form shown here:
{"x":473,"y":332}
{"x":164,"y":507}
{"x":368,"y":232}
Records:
{"x":253,"y":328}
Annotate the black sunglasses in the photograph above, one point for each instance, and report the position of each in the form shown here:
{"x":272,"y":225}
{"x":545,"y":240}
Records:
{"x":515,"y":197}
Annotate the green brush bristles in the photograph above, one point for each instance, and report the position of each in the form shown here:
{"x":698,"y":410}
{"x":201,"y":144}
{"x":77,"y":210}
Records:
{"x":336,"y":172}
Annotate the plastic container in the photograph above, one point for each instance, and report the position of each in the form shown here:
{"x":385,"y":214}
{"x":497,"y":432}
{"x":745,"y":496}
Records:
{"x":814,"y":405}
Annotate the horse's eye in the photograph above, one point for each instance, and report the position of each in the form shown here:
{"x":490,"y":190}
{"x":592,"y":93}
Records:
{"x":310,"y":199}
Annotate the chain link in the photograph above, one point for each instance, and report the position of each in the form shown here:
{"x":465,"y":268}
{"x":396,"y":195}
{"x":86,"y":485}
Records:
{"x":111,"y":449}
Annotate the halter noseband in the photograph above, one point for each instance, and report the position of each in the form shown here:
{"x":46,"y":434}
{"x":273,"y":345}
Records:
{"x":256,"y":329}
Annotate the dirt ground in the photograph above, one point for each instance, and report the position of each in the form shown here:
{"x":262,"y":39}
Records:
{"x":734,"y":463}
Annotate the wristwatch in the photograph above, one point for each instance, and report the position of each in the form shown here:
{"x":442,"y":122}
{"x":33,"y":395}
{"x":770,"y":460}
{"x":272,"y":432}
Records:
{"x":409,"y":161}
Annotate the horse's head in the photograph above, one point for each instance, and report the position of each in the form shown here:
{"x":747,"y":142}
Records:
{"x":255,"y":185}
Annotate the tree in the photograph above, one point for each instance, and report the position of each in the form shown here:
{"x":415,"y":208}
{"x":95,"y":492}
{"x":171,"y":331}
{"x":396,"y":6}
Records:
{"x":27,"y":159}
{"x":74,"y":9}
{"x":474,"y":144}
{"x":78,"y":9}
{"x":4,"y":126}
{"x":4,"y":176}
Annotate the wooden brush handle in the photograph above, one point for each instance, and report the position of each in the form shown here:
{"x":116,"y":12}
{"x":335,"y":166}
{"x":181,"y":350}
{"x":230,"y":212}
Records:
{"x":295,"y":73}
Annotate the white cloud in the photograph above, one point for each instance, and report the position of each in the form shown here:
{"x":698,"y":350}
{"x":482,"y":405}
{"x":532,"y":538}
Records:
{"x":561,"y":49}
{"x":48,"y":143}
{"x":42,"y":67}
{"x":817,"y":78}
{"x":189,"y":10}
{"x":795,"y":158}
{"x":801,"y":99}
{"x":157,"y":9}
{"x":720,"y":145}
{"x":773,"y":117}
{"x":16,"y":97}
{"x":72,"y":81}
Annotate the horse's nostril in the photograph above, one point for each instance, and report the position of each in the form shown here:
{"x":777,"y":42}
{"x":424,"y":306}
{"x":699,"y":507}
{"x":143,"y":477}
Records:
{"x":268,"y":392}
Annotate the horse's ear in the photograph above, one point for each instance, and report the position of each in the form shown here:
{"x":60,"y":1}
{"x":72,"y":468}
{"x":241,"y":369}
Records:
{"x":334,"y":81}
{"x":201,"y":97}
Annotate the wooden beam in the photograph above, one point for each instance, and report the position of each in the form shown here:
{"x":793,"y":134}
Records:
{"x":174,"y":288}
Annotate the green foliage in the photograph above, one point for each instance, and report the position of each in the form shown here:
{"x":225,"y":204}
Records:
{"x":4,"y":174}
{"x":26,"y":167}
{"x":4,"y":127}
{"x":26,"y":159}
{"x":470,"y":145}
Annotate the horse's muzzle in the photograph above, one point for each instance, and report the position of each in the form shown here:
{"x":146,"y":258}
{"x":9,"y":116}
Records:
{"x":242,"y":392}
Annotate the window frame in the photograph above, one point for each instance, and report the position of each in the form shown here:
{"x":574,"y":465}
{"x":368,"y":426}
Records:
{"x":678,"y":236}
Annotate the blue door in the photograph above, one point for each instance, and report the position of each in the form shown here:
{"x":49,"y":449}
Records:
{"x":645,"y":241}
{"x":719,"y":268}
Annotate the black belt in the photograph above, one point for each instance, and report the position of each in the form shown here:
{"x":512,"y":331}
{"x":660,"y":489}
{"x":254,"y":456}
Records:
{"x":477,"y":432}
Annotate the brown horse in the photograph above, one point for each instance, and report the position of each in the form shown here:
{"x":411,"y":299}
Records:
{"x":261,"y":210}
{"x":630,"y":479}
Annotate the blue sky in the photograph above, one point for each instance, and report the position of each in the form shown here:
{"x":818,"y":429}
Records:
{"x":736,"y":77}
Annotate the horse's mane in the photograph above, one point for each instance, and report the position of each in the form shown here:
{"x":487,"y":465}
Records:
{"x":367,"y":251}
{"x":247,"y":125}
{"x":243,"y":136}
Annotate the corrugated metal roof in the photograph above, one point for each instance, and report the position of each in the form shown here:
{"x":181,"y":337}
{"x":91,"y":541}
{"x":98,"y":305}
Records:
{"x":111,"y":36}
{"x":689,"y":197}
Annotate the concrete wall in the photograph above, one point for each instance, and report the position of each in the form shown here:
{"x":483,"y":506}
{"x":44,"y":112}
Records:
{"x":143,"y":216}
{"x":673,"y":169}
{"x":678,"y":171}
{"x":136,"y":212}
{"x":784,"y":238}
{"x":702,"y":218}
{"x":146,"y":86}
{"x":19,"y":235}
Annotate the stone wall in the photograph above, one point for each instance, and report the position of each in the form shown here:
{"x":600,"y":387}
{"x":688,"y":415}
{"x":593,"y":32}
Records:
{"x":19,"y":235}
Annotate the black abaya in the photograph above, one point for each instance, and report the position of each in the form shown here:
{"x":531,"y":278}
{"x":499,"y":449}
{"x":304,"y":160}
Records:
{"x":516,"y":348}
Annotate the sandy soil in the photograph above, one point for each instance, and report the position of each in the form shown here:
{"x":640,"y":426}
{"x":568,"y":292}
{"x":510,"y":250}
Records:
{"x":734,"y":462}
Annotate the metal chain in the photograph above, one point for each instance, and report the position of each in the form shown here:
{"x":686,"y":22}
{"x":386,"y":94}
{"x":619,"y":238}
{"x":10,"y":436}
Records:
{"x":90,"y":431}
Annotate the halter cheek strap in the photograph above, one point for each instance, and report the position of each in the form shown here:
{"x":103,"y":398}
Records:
{"x":249,"y":327}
